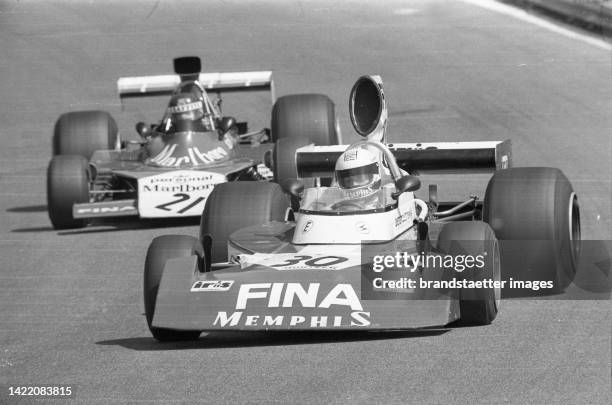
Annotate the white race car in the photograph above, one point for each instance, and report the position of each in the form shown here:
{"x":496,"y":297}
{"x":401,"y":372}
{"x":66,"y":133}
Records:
{"x":363,"y":251}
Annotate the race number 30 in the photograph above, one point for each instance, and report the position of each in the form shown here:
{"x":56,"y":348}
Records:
{"x":308,"y":261}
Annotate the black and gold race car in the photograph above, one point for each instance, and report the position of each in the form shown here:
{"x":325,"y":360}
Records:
{"x":173,"y":167}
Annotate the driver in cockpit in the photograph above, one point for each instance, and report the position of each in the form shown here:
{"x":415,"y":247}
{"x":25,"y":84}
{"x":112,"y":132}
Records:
{"x":359,"y":174}
{"x":186,"y":112}
{"x":191,"y":111}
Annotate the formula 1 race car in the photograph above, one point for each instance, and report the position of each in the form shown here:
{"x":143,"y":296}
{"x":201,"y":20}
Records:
{"x":292,"y":257}
{"x":176,"y":163}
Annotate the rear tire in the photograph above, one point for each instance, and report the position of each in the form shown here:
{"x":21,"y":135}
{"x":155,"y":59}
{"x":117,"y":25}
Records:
{"x":236,"y":205}
{"x":83,"y":132}
{"x":535,"y":213}
{"x":67,"y":184}
{"x":283,"y":158}
{"x":478,"y":306}
{"x":160,"y":250}
{"x":305,"y":116}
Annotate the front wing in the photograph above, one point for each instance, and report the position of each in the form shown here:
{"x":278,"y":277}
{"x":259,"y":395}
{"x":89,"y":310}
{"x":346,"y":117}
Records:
{"x":263,"y":298}
{"x":162,"y":193}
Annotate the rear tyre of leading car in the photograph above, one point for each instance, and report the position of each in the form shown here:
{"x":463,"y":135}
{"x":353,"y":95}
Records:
{"x":235,"y":205}
{"x":161,"y":250}
{"x":535,"y":214}
{"x":478,"y":306}
{"x":284,"y":164}
{"x":67,"y":184}
{"x":299,"y":120}
{"x":310,"y":116}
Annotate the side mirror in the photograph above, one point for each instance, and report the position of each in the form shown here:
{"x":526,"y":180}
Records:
{"x":143,"y":129}
{"x":367,"y":107}
{"x":226,"y":124}
{"x":268,"y":159}
{"x":406,"y":183}
{"x":293,"y":187}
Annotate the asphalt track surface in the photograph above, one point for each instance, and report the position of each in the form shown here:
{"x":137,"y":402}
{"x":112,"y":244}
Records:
{"x":71,"y":309}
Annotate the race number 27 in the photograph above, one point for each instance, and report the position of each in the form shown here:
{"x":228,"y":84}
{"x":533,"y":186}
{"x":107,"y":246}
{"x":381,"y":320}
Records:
{"x":180,"y":197}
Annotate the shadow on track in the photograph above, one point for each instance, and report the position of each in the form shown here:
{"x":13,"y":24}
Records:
{"x":100,"y":226}
{"x":222,"y":340}
{"x":28,"y":209}
{"x":592,"y":281}
{"x":415,"y":111}
{"x":33,"y":229}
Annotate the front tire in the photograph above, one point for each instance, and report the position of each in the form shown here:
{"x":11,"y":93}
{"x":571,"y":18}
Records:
{"x":161,"y":250}
{"x":535,"y":213}
{"x":478,"y":306}
{"x":67,"y":184}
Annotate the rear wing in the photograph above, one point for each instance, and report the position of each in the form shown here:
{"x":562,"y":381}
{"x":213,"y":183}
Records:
{"x":451,"y":157}
{"x":165,"y":84}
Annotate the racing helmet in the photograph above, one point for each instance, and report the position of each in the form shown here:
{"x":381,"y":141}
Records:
{"x":357,"y":173}
{"x":185,"y":112}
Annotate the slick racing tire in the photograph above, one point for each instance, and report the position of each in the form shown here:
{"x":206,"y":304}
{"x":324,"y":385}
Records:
{"x":283,"y":158}
{"x":535,"y":214}
{"x":67,"y":184}
{"x":305,"y":116}
{"x":478,"y":306}
{"x":160,"y":250}
{"x":83,"y":132}
{"x":236,"y":205}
